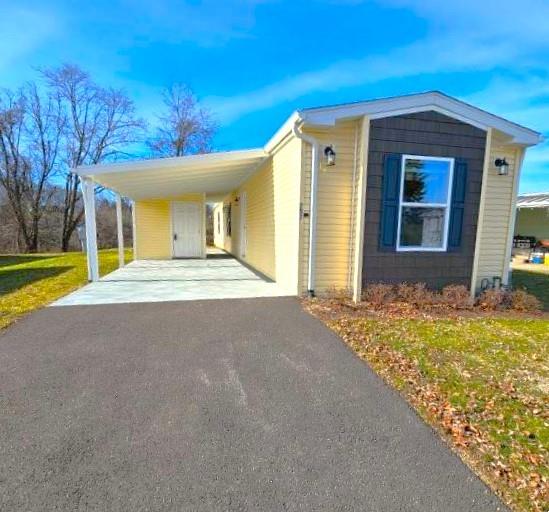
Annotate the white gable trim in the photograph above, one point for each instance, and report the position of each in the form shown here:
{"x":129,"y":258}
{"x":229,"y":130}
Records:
{"x":376,"y":109}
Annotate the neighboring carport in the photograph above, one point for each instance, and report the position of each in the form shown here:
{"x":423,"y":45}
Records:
{"x":532,"y":216}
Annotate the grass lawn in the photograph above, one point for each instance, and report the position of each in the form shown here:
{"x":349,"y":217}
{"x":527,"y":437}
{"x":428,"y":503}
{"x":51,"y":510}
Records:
{"x":482,"y":382}
{"x":534,"y":279}
{"x":29,"y":282}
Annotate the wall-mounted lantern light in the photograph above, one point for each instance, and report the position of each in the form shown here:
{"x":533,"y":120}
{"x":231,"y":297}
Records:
{"x":502,"y":165}
{"x":329,"y":155}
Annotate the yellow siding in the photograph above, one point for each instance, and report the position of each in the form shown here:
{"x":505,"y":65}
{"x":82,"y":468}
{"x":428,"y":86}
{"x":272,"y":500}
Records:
{"x":273,"y":194}
{"x":153,"y":227}
{"x":286,"y":183}
{"x":260,"y":220}
{"x":497,"y":208}
{"x":335,"y":208}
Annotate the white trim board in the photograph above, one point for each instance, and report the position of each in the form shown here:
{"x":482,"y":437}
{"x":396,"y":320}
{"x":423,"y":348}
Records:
{"x":481,"y":210}
{"x":358,"y":257}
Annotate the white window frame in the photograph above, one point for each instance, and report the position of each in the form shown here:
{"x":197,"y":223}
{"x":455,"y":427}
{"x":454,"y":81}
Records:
{"x":447,"y":205}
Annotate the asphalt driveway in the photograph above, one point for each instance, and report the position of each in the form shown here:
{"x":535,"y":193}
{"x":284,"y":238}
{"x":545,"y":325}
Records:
{"x":229,"y":405}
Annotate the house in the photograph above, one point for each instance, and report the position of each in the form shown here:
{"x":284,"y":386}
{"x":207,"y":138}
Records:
{"x":532,"y":220}
{"x":418,"y":188}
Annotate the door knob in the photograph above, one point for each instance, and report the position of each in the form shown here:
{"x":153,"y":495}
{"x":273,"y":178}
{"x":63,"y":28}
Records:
{"x":175,"y":236}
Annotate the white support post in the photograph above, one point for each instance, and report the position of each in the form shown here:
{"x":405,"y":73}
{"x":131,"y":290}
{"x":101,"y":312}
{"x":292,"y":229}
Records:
{"x":204,"y":224}
{"x":134,"y":234}
{"x":88,"y":193}
{"x":119,"y":231}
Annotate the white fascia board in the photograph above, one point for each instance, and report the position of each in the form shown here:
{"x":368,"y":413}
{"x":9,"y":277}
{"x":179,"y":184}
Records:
{"x":202,"y":160}
{"x":436,"y":101}
{"x":374,"y":109}
{"x":282,"y":132}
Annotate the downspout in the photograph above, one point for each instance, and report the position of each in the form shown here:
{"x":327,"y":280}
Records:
{"x":315,"y":160}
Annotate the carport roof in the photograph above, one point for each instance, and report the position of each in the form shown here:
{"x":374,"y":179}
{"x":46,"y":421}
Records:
{"x":214,"y":174}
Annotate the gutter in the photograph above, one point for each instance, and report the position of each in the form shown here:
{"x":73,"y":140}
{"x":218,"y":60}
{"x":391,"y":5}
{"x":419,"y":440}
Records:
{"x":315,"y":160}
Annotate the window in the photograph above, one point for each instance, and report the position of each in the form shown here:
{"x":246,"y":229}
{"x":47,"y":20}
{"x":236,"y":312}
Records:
{"x":425,"y":192}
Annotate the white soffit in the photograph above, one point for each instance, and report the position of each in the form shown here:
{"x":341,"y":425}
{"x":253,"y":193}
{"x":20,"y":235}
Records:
{"x":214,"y":174}
{"x":436,"y":101}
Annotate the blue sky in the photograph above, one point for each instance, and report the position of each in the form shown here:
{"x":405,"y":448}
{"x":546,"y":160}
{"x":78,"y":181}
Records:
{"x":255,"y":61}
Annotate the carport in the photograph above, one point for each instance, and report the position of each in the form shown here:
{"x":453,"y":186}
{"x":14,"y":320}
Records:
{"x":182,"y":181}
{"x":209,"y":176}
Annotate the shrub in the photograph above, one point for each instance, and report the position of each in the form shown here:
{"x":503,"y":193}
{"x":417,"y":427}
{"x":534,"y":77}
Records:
{"x":416,"y":294}
{"x":491,"y":300}
{"x":405,"y":292}
{"x":456,"y":296}
{"x":422,"y":296}
{"x":517,"y":300}
{"x":520,"y":300}
{"x":379,"y":294}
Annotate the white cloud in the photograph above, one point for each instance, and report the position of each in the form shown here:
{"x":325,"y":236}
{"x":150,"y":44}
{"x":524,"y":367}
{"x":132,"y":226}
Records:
{"x":525,"y":100}
{"x":464,"y":36}
{"x":444,"y":55}
{"x":522,"y":98}
{"x":504,"y":18}
{"x":23,"y":30}
{"x":205,"y":22}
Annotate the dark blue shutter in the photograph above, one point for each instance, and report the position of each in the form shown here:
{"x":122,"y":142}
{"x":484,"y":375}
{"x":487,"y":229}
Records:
{"x":390,"y":202}
{"x":457,"y":205}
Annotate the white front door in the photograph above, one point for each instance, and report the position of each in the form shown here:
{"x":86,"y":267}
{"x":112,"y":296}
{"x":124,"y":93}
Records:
{"x":187,"y":229}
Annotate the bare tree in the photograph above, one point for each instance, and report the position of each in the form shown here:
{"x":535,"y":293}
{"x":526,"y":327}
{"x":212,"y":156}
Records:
{"x":65,"y":120}
{"x":107,"y":233}
{"x":30,"y":132}
{"x":10,"y":234}
{"x":185,"y":127}
{"x":100,"y":122}
{"x":46,"y":123}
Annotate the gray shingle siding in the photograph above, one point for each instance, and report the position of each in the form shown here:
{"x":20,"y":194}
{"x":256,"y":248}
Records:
{"x":427,"y":134}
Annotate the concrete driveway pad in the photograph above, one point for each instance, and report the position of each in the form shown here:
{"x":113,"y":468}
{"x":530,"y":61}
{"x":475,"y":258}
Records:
{"x":169,"y":280}
{"x":229,"y":405}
